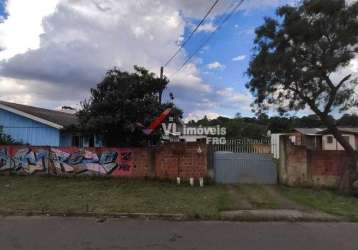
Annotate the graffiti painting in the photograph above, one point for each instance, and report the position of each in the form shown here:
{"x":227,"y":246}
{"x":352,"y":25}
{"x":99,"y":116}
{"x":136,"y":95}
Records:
{"x":66,"y":161}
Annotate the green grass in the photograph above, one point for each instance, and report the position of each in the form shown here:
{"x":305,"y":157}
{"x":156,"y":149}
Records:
{"x":325,"y":200}
{"x":24,"y":195}
{"x":258,"y":197}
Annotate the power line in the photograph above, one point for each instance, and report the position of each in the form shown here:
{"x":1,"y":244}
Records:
{"x":192,"y":33}
{"x":224,"y":20}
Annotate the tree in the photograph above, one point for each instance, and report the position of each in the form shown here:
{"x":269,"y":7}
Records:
{"x":295,"y":64}
{"x":6,"y":139}
{"x":121,"y":101}
{"x":310,"y":121}
{"x":348,"y":120}
{"x":280,"y":124}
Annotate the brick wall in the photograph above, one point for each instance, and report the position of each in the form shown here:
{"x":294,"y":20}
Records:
{"x":183,"y":160}
{"x":327,"y":167}
{"x":165,"y":162}
{"x":299,"y":166}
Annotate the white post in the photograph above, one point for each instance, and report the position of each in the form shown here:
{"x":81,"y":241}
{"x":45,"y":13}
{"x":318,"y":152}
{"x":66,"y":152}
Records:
{"x":191,"y":181}
{"x":178,"y":180}
{"x":201,"y":181}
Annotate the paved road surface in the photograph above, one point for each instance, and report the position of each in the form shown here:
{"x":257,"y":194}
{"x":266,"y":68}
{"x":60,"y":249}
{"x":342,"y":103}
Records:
{"x":89,"y":233}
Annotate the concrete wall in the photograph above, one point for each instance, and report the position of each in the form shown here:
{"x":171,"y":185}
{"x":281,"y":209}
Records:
{"x":165,"y":162}
{"x":299,"y":166}
{"x":293,"y":167}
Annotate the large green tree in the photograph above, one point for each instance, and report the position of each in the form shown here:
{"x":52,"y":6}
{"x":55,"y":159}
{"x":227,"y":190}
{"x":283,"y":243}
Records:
{"x":296,"y":57}
{"x":120,"y":102}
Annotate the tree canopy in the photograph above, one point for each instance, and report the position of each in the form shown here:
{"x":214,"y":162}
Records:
{"x":257,"y":127}
{"x":297,"y":59}
{"x":121,"y":101}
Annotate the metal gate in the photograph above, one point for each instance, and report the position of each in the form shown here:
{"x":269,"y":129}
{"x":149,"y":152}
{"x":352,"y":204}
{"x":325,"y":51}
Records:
{"x":244,"y":166}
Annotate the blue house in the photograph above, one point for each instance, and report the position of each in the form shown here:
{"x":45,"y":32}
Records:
{"x":43,"y":127}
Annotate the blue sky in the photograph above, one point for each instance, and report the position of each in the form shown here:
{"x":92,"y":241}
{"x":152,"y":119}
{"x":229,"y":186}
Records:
{"x":2,"y":9}
{"x":232,"y":47}
{"x":62,"y":46}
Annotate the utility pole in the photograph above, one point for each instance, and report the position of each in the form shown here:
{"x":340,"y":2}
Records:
{"x":161,"y":78}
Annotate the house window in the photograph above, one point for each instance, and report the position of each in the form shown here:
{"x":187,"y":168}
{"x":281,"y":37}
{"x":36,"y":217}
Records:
{"x":329,"y":139}
{"x":77,"y":141}
{"x":91,"y":141}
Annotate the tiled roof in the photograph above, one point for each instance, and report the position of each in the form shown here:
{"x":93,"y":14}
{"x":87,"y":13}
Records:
{"x":309,"y":131}
{"x":57,"y":117}
{"x":319,"y":131}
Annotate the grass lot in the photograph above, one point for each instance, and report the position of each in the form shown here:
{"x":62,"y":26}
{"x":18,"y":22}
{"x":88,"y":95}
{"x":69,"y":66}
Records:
{"x":24,"y":195}
{"x":325,"y":200}
{"x":55,"y":195}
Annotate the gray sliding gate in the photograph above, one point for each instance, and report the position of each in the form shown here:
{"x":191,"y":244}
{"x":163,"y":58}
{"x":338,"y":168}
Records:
{"x":248,"y":168}
{"x":251,"y":167}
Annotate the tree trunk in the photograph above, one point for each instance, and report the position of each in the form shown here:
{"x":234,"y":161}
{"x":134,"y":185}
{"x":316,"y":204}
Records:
{"x":350,"y":170}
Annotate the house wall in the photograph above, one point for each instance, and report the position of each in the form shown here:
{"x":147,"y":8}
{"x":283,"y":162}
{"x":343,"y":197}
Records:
{"x":168,"y":161}
{"x":65,"y":139}
{"x":28,"y":131}
{"x":335,"y":145}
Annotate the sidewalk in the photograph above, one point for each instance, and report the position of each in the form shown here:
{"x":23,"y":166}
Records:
{"x":266,"y":203}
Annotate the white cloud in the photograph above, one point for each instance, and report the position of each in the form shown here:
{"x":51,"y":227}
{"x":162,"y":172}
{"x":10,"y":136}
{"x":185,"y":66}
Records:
{"x":81,"y":39}
{"x":351,"y":68}
{"x":207,"y":27}
{"x":239,"y":58}
{"x":189,"y":79}
{"x":21,"y":30}
{"x":351,"y":1}
{"x":197,"y":115}
{"x":56,"y":50}
{"x":215,"y":66}
{"x":236,"y":99}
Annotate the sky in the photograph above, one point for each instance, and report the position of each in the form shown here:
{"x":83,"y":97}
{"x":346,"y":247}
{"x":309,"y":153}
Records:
{"x":53,"y":51}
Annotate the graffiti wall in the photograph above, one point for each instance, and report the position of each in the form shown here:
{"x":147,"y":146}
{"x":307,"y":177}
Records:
{"x":66,"y":161}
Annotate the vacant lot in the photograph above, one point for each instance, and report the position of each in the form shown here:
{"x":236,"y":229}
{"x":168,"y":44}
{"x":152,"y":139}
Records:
{"x":24,"y":195}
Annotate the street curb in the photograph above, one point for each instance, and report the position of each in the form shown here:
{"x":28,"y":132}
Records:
{"x":237,"y":215}
{"x":151,"y":216}
{"x":289,"y":215}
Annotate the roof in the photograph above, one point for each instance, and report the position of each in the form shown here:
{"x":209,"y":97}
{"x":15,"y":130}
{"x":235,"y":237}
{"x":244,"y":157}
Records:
{"x":309,"y":131}
{"x":52,"y":118}
{"x":347,"y":130}
{"x":320,"y":131}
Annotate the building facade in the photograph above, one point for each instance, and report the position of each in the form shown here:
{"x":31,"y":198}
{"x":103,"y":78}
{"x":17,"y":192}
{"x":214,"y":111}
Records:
{"x":43,"y":127}
{"x":322,"y":139}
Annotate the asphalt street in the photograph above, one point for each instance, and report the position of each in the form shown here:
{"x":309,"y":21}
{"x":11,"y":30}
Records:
{"x":91,"y":233}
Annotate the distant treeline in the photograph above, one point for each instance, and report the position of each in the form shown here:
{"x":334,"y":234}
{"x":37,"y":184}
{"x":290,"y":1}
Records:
{"x":257,"y":127}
